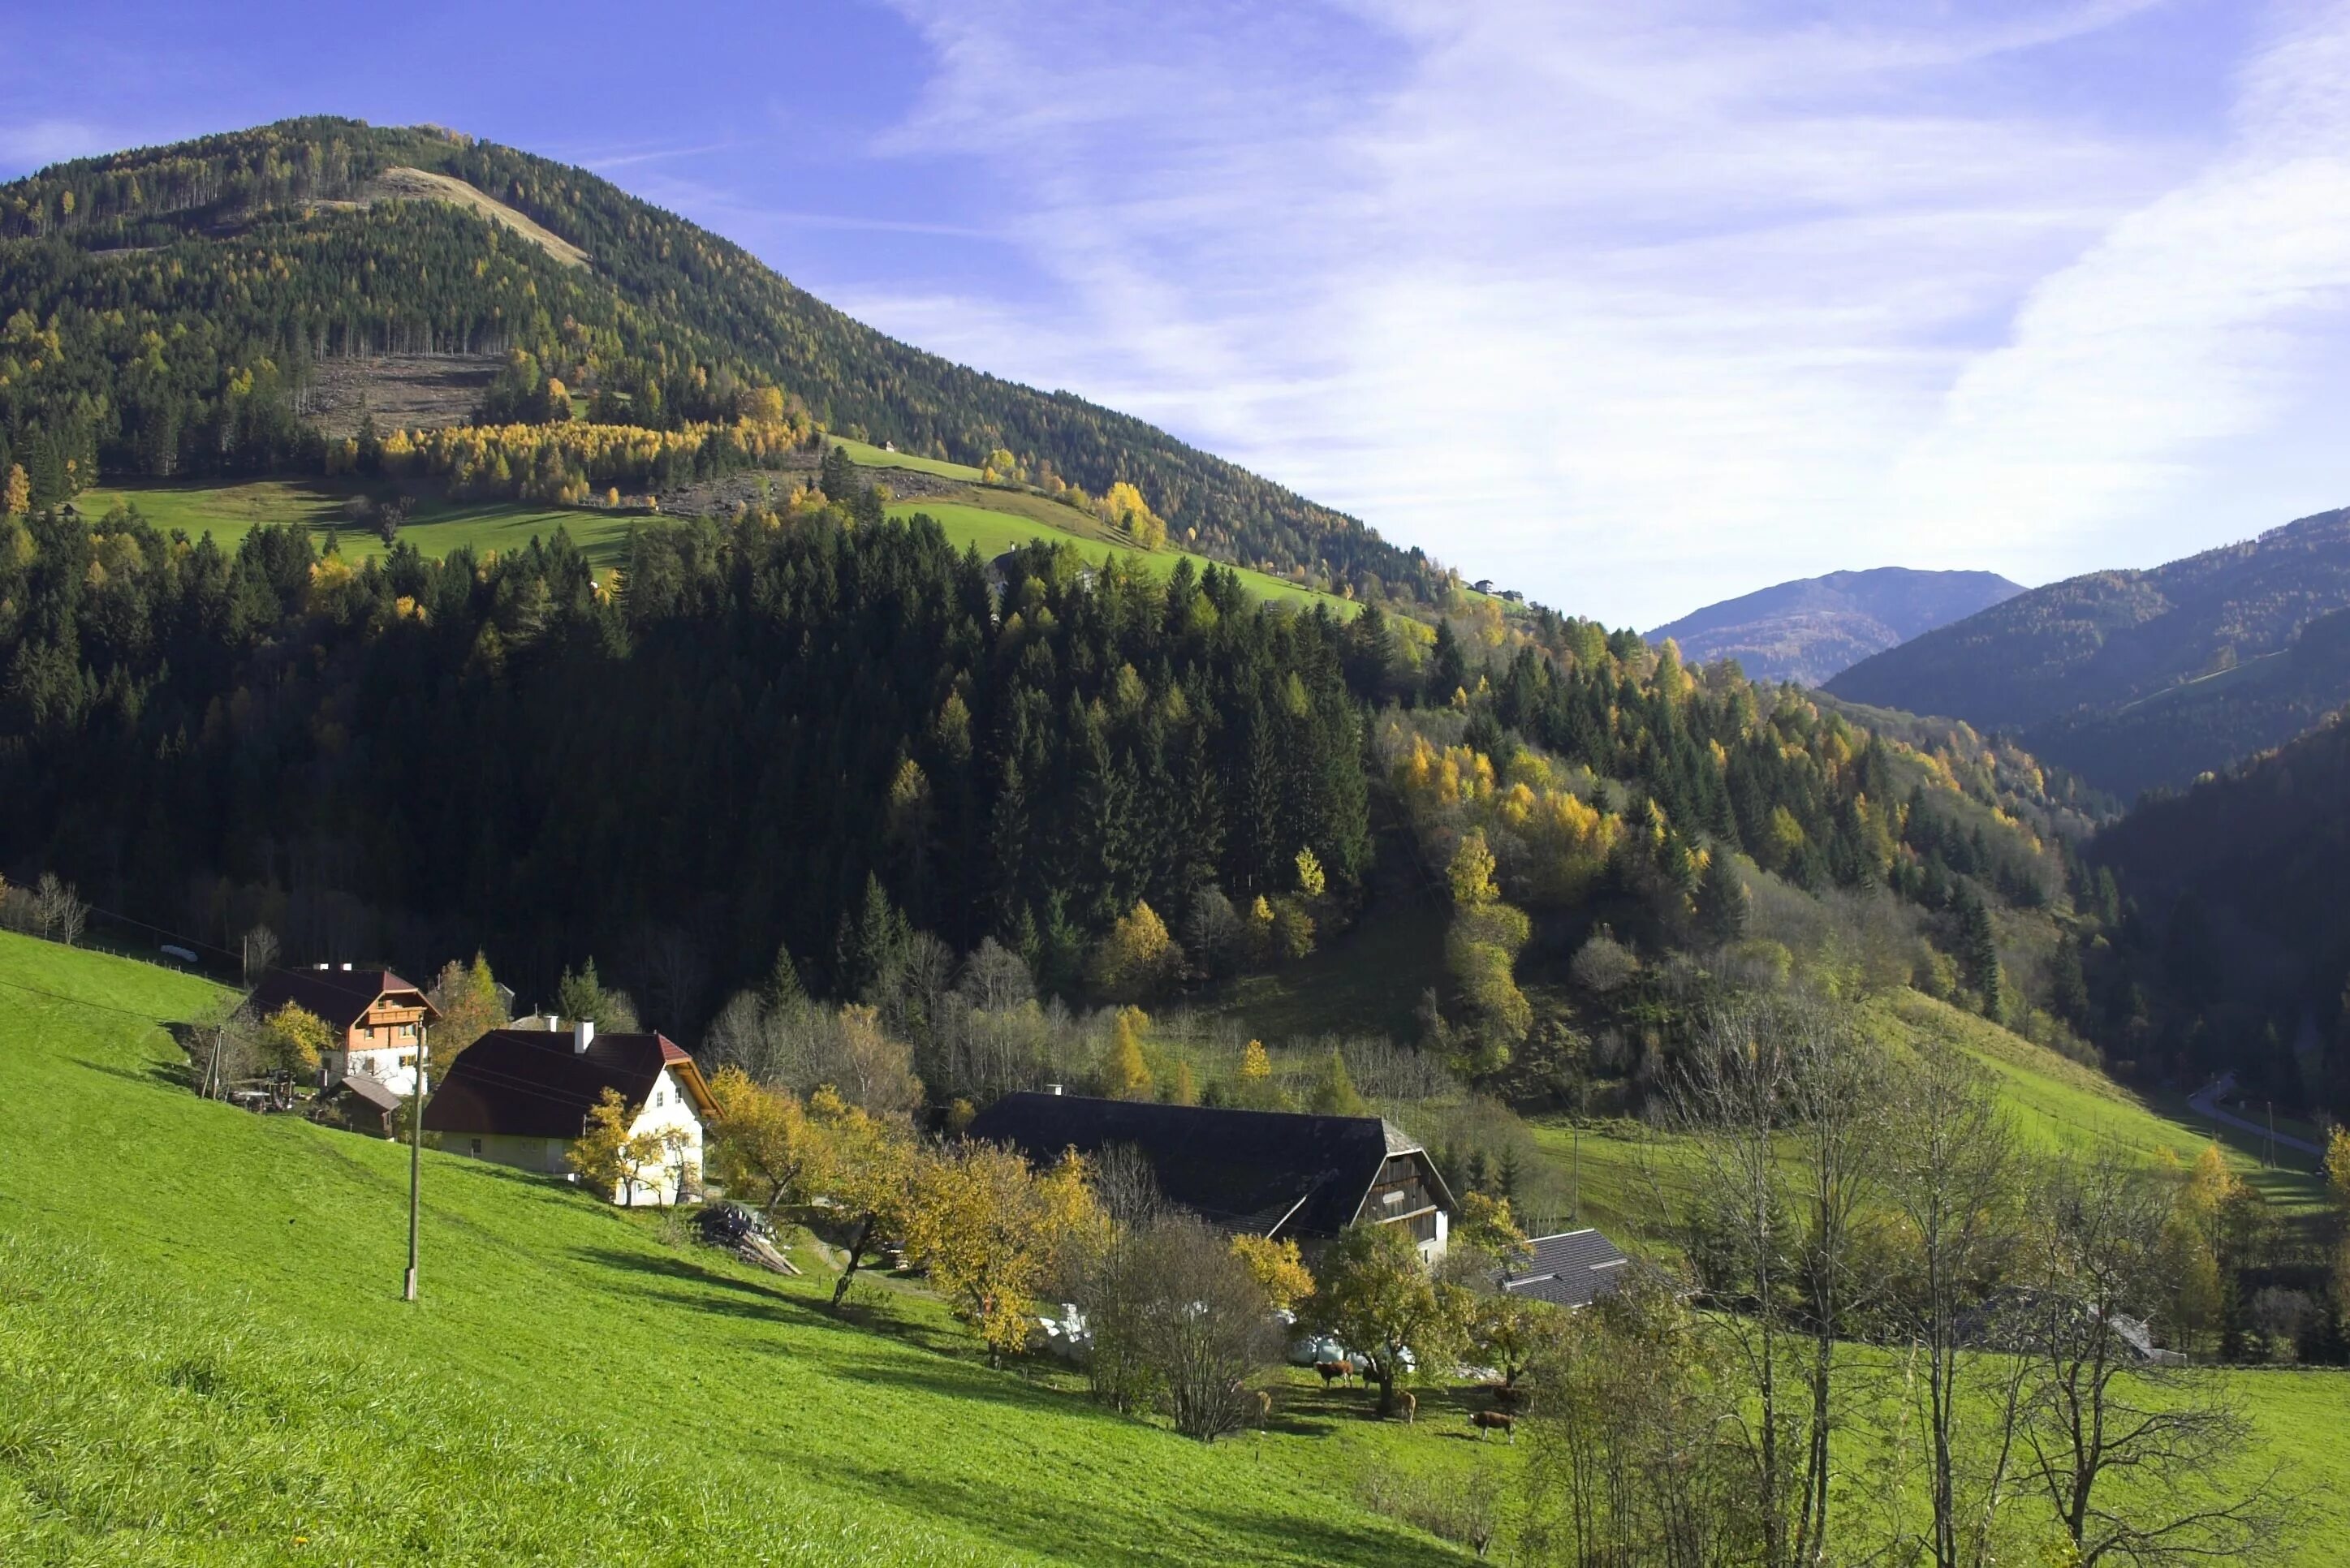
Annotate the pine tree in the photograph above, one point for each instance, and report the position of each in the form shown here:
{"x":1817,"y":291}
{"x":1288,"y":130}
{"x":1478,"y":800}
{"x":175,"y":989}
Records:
{"x":1333,"y":1089}
{"x":1978,"y":952}
{"x":783,"y":986}
{"x":1721,"y":902}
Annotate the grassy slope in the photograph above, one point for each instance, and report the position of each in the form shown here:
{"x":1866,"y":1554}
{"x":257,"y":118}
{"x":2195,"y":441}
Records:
{"x":867,"y":455}
{"x":202,"y":1359}
{"x":998,"y":526}
{"x":2056,"y":1104}
{"x":229,"y":511}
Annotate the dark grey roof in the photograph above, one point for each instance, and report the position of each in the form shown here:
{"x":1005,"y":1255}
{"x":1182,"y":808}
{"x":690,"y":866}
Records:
{"x":1572,"y":1269}
{"x":368,"y":1087}
{"x":1264,"y":1172}
{"x":530,"y":1082}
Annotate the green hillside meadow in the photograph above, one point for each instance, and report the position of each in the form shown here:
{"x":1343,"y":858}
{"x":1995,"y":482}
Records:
{"x":229,"y":511}
{"x":203,"y":1359}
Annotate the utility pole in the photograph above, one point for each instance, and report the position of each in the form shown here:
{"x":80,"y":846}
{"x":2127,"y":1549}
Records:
{"x":1574,"y":1192}
{"x":415,"y":1153}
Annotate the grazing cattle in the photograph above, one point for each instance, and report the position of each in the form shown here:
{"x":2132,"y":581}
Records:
{"x":1493,"y":1422}
{"x":1332,"y":1372}
{"x":1410,"y":1405}
{"x":1263,"y":1408}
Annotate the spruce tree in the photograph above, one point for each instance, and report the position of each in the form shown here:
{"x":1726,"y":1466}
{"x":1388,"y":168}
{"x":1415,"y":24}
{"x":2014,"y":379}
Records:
{"x":1722,"y":902}
{"x":1333,"y":1089}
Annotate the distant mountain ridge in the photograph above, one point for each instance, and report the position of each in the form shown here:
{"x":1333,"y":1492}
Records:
{"x":2138,"y":678}
{"x":1809,"y":629}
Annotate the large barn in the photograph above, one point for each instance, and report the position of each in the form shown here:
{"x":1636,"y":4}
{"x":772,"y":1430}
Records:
{"x":1264,"y":1173}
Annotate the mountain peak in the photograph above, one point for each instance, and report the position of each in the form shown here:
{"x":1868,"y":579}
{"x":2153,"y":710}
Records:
{"x":1808,"y":629}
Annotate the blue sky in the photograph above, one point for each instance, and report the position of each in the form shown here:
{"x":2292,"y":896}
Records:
{"x":1635,"y":307}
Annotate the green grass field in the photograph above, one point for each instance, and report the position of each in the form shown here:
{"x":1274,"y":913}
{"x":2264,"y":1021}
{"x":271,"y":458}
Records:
{"x":203,"y":1359}
{"x":229,"y":511}
{"x":2056,"y":1104}
{"x":997,"y":527}
{"x":865,"y":454}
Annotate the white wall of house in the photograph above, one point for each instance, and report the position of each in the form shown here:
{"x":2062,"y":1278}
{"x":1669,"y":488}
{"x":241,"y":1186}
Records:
{"x":394,"y":1067}
{"x":667,"y":1108}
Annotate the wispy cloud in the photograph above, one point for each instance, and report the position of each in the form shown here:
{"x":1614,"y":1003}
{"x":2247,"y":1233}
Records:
{"x":1640,"y":306}
{"x":35,"y":143}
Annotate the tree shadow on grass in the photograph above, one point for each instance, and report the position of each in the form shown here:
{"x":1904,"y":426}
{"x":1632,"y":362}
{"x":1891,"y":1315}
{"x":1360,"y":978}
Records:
{"x":1097,"y":1528}
{"x":154,"y":1075}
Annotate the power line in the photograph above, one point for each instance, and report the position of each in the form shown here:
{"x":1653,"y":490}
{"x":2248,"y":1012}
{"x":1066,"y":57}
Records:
{"x":79,"y":1002}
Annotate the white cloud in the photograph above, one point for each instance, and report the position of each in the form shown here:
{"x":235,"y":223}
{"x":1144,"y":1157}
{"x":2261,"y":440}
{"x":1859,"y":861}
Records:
{"x":37,"y":143}
{"x":1641,"y":306}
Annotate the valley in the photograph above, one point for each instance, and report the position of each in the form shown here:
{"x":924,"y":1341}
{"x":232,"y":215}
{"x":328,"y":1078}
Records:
{"x":969,"y":981}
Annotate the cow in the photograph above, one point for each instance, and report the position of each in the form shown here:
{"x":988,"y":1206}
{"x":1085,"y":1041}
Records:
{"x":1411,"y":1406}
{"x":1493,"y":1422}
{"x":1333,"y":1372}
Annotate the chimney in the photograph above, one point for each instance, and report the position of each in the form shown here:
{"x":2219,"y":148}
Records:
{"x":553,"y":1023}
{"x":322,"y":966}
{"x":1052,"y":1088}
{"x":347,"y":969}
{"x":583,"y":1036}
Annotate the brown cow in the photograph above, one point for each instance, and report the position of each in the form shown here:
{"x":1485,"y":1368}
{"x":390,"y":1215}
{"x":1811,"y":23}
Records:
{"x":1333,"y":1372}
{"x":1493,"y":1422}
{"x":1410,"y":1405}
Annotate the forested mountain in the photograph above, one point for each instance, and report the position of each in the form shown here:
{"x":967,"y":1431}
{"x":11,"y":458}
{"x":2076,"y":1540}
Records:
{"x":165,"y":311}
{"x":2243,"y":923}
{"x":820,"y":729}
{"x":2142,"y":677}
{"x":1809,"y":629}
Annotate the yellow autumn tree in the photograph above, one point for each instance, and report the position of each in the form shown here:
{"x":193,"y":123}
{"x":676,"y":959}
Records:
{"x":1123,"y":507}
{"x":293,"y":1040}
{"x":607,"y":1157}
{"x":1470,"y":873}
{"x":17,"y":496}
{"x":1137,"y":958}
{"x":762,"y":1145}
{"x":992,"y":1233}
{"x":1279,"y":1269}
{"x":1125,"y":1075}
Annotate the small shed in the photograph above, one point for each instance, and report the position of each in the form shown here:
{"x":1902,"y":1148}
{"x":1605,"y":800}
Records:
{"x":359,"y":1103}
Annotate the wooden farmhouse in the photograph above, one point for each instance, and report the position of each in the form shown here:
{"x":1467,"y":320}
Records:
{"x":1262,"y":1173}
{"x":520,"y":1097}
{"x":378,"y":1020}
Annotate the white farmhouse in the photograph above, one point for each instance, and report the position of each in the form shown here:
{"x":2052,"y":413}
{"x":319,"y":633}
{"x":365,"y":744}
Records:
{"x":521,"y":1098}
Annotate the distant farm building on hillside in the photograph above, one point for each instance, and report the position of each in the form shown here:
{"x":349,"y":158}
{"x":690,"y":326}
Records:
{"x":521,"y":1098}
{"x":379,"y":1018}
{"x":1262,"y":1173}
{"x":1572,"y":1269}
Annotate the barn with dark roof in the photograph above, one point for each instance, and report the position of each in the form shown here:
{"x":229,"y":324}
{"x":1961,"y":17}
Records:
{"x":1262,"y":1173}
{"x":521,"y":1098}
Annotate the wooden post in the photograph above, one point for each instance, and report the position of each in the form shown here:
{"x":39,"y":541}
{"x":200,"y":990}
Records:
{"x":415,"y":1154}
